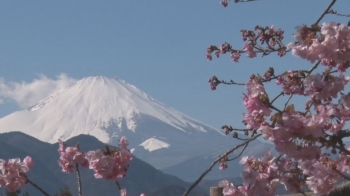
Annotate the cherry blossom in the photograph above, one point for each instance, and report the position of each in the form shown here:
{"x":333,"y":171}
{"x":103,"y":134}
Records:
{"x":13,"y":172}
{"x":69,"y":156}
{"x":110,"y":164}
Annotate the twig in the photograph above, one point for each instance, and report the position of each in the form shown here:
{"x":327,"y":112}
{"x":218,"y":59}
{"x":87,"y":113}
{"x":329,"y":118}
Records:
{"x":314,"y":67}
{"x":341,"y":148}
{"x":290,"y":97}
{"x":79,"y":180}
{"x":235,"y":129}
{"x":278,"y":158}
{"x":245,"y":146}
{"x":331,"y":11}
{"x":341,"y":174}
{"x":274,"y":99}
{"x":118,"y":185}
{"x":240,"y":139}
{"x":243,"y":1}
{"x":231,"y":82}
{"x":216,"y":161}
{"x":273,"y":107}
{"x":343,"y":133}
{"x":37,"y":187}
{"x":302,"y":192}
{"x":326,"y":11}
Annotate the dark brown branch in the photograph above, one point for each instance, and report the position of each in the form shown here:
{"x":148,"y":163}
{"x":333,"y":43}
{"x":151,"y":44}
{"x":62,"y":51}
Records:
{"x":215,"y":162}
{"x":343,"y":133}
{"x":37,"y":187}
{"x":302,"y":192}
{"x":118,"y":185}
{"x":244,"y":1}
{"x":278,"y":158}
{"x":274,"y":99}
{"x":273,"y":107}
{"x":341,"y":174}
{"x":331,"y":11}
{"x":330,"y":143}
{"x":245,"y":146}
{"x":241,"y":139}
{"x":342,"y":149}
{"x":314,"y":67}
{"x":326,"y":11}
{"x":231,"y":82}
{"x":79,"y":180}
{"x":234,"y":129}
{"x":290,"y":97}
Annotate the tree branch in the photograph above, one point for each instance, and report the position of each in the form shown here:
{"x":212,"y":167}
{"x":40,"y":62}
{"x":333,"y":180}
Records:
{"x":118,"y":185}
{"x":79,"y":180}
{"x":331,"y":11}
{"x":343,"y":133}
{"x":326,"y":11}
{"x":245,"y":146}
{"x":274,"y":99}
{"x":216,"y":161}
{"x":314,"y":67}
{"x":231,"y":82}
{"x":37,"y":187}
{"x":341,"y":174}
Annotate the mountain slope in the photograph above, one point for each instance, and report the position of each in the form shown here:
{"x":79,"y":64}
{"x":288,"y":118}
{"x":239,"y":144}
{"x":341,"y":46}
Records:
{"x":108,"y":108}
{"x":141,"y":177}
{"x":91,"y":106}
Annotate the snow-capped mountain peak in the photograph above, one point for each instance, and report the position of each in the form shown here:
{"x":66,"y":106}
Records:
{"x":93,"y":103}
{"x":108,"y":108}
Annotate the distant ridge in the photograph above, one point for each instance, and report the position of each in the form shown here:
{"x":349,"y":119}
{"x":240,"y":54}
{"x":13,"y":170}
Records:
{"x":141,"y":177}
{"x":108,"y":108}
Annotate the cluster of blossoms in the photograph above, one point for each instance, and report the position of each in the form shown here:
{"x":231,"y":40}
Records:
{"x":329,"y":44}
{"x":110,"y":164}
{"x":214,"y":82}
{"x":301,"y":137}
{"x":69,"y":157}
{"x":107,"y":164}
{"x":259,"y":177}
{"x":262,"y":176}
{"x":268,"y":36}
{"x":13,"y":173}
{"x":296,"y":135}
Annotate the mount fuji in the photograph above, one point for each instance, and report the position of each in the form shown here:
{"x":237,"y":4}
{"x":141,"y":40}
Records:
{"x":109,"y":108}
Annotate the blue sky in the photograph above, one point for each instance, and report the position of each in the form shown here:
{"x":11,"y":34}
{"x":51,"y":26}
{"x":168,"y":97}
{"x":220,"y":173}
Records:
{"x":159,"y":46}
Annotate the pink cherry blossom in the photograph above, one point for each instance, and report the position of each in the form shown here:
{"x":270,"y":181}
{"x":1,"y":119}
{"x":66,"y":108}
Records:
{"x":69,"y":156}
{"x":235,"y":56}
{"x":111,"y":164}
{"x":249,"y":49}
{"x":214,"y":82}
{"x":123,"y":192}
{"x":323,"y":87}
{"x":224,"y":3}
{"x":332,"y":46}
{"x":249,"y":177}
{"x":345,"y":100}
{"x":13,"y":172}
{"x":253,"y":120}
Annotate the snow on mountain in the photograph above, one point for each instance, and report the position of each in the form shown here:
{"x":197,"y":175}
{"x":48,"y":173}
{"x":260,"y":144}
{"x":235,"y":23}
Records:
{"x":154,"y":144}
{"x":108,"y":108}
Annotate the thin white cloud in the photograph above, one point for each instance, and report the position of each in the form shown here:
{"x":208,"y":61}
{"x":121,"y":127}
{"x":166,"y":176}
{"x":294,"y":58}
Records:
{"x":26,"y":94}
